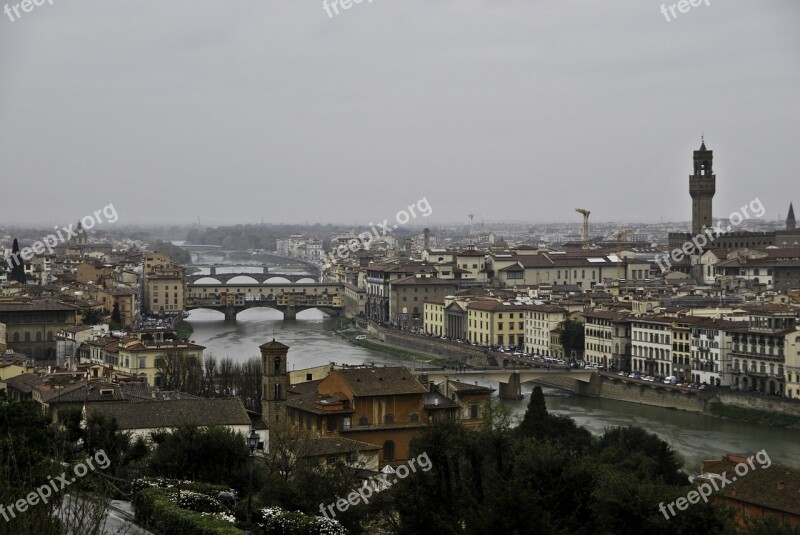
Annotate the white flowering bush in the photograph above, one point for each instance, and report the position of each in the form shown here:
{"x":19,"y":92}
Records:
{"x":196,"y":501}
{"x":158,"y":482}
{"x":278,"y":521}
{"x":222,"y":516}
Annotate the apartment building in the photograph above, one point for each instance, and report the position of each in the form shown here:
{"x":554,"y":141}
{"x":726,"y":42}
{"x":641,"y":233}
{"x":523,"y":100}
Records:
{"x":497,"y":323}
{"x":608,"y":339}
{"x":651,"y":345}
{"x":758,"y":351}
{"x":540,"y":321}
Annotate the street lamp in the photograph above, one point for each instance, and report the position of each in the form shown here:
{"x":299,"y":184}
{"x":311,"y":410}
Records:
{"x":252,"y":443}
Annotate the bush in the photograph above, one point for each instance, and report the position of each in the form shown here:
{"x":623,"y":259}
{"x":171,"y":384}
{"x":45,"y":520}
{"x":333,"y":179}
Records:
{"x":274,"y":520}
{"x":156,"y":510}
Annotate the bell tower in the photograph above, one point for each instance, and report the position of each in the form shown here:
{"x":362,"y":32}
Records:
{"x":702,"y":186}
{"x":791,"y":224}
{"x":275,"y":381}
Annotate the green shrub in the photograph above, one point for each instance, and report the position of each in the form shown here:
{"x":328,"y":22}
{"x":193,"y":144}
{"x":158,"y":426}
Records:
{"x":155,"y":510}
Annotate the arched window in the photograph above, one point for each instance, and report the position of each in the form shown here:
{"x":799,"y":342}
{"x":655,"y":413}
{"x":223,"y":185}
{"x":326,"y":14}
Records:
{"x":16,"y":337}
{"x":277,"y":391}
{"x":363,"y":421}
{"x":388,"y":419}
{"x":27,"y":337}
{"x":414,"y":417}
{"x":38,"y":336}
{"x":388,"y":450}
{"x":49,"y":336}
{"x":277,"y":364}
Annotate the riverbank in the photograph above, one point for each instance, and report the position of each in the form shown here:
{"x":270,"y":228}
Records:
{"x":399,"y":352}
{"x":741,"y":414}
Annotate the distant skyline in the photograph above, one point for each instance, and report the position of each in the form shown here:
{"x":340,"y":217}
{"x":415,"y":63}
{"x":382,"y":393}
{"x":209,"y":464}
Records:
{"x":516,"y":111}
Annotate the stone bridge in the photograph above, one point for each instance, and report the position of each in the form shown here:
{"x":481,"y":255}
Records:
{"x":232,"y":294}
{"x":510,"y":381}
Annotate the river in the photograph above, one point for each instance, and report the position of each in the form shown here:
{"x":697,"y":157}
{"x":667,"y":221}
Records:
{"x":312,"y":343}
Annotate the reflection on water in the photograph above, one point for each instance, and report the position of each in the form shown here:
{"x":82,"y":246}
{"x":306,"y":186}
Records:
{"x":311,"y":342}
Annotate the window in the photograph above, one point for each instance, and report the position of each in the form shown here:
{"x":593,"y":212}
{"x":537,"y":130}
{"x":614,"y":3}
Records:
{"x":277,"y":364}
{"x":414,"y":417}
{"x":473,"y":411}
{"x":346,"y":423}
{"x":363,"y":421}
{"x":388,"y":450}
{"x":388,"y":419}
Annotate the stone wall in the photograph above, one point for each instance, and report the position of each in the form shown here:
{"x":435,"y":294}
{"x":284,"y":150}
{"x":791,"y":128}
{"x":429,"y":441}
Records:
{"x":761,"y":403}
{"x":431,"y":345}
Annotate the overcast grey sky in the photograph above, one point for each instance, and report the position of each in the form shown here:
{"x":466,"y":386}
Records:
{"x":514,"y":109}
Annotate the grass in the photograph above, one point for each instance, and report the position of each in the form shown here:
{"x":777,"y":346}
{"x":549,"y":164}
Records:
{"x":401,"y":353}
{"x":757,"y":416}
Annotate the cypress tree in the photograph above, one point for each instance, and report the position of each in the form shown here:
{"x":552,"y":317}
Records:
{"x":18,"y":264}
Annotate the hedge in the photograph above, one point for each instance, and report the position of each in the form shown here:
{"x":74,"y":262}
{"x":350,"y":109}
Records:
{"x":156,"y":511}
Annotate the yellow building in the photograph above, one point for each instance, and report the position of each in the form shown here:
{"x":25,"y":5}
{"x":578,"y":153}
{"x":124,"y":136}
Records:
{"x":164,"y":284}
{"x":433,"y":317}
{"x":491,"y":322}
{"x":151,"y":361}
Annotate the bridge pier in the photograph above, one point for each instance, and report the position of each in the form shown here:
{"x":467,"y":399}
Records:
{"x":512,"y":389}
{"x":290,"y":313}
{"x":230,"y":314}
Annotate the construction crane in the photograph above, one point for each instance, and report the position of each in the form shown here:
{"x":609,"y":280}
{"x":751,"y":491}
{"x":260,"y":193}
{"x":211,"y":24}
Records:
{"x":585,"y":226}
{"x":621,"y":235}
{"x":471,"y":227}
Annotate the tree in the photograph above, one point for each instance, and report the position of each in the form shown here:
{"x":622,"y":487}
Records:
{"x":211,"y":455}
{"x":18,"y":264}
{"x":534,"y":423}
{"x":572,"y":337}
{"x":116,"y":317}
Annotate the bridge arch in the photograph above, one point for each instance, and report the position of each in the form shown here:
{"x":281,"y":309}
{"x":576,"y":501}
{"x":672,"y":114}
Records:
{"x":208,"y":280}
{"x":241,"y":279}
{"x":305,"y":280}
{"x":277,"y":280}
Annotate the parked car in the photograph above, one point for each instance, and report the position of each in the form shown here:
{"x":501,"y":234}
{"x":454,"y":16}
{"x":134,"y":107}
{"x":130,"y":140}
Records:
{"x":361,"y":337}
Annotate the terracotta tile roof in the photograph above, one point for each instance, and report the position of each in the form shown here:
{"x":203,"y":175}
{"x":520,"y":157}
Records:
{"x":372,"y":381}
{"x":161,"y":414}
{"x":776,"y":487}
{"x":317,"y":446}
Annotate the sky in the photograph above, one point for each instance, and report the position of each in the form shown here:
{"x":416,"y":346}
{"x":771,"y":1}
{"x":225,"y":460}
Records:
{"x":514,"y":110}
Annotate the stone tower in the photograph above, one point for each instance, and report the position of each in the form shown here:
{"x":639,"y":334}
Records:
{"x":275,"y":380}
{"x":791,"y":224}
{"x":702,"y":186}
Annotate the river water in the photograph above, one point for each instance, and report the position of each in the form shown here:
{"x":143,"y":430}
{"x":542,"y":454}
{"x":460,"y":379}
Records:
{"x":312,"y":343}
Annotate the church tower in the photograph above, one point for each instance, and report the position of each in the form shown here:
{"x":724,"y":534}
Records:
{"x":702,"y":186}
{"x":275,"y":381}
{"x":791,"y":224}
